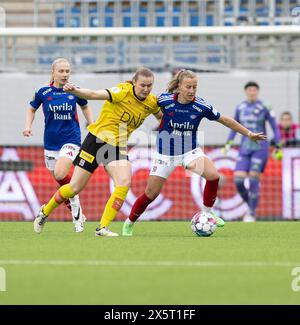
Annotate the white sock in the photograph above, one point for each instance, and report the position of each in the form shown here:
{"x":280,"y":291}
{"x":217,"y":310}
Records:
{"x":75,"y":200}
{"x":129,"y":221}
{"x":206,"y":209}
{"x":75,"y":206}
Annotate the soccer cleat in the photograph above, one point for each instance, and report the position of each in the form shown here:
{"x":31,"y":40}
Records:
{"x":39,"y":221}
{"x":219,"y":221}
{"x":77,"y":215}
{"x":249,"y":218}
{"x":105,"y":232}
{"x":127,"y":229}
{"x":79,"y":224}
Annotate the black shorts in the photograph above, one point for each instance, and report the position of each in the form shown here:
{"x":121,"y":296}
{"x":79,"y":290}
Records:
{"x":95,"y":151}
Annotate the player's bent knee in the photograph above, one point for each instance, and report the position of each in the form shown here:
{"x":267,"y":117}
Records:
{"x":126,"y":182}
{"x":76,"y":188}
{"x":212,"y":176}
{"x":152,"y":194}
{"x":60,"y":175}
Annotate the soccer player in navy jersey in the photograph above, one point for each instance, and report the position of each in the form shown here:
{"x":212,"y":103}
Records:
{"x":177,"y":144}
{"x":253,"y":114}
{"x":62,"y":138}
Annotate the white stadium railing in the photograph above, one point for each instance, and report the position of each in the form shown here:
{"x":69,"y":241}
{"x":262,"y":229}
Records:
{"x":154,"y":31}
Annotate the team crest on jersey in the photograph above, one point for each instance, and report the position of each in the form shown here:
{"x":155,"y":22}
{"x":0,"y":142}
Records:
{"x":71,"y":97}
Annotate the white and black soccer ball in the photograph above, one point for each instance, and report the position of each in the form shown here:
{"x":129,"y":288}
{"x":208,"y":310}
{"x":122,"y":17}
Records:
{"x":203,"y":224}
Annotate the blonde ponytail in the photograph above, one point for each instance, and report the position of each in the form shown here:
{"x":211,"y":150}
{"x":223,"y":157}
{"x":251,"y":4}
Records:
{"x":177,"y":79}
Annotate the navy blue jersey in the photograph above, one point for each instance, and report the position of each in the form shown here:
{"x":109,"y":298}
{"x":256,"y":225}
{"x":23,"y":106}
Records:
{"x":178,"y":128}
{"x":61,"y":119}
{"x":254,"y":117}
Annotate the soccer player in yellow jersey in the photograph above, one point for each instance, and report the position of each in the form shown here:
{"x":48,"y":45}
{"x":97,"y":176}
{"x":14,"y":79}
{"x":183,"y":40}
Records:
{"x":126,"y":107}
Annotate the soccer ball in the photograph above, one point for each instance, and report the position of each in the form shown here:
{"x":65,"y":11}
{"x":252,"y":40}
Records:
{"x":203,"y":224}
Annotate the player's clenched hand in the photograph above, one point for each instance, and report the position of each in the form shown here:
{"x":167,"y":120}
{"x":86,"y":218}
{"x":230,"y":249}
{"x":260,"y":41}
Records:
{"x":277,"y":153}
{"x":257,"y":136}
{"x":227,"y":147}
{"x":27,"y":132}
{"x":69,"y":87}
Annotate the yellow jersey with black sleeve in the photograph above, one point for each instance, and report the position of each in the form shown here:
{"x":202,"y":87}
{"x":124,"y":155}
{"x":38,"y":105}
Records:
{"x":122,"y":114}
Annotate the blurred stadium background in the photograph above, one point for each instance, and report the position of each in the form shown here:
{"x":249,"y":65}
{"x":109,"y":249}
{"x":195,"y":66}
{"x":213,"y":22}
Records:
{"x":226,"y":42}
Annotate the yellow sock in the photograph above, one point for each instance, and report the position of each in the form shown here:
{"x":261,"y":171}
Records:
{"x":113,"y":205}
{"x":62,"y":194}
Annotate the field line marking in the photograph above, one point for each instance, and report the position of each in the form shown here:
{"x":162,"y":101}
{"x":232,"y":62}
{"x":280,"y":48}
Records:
{"x":149,"y":263}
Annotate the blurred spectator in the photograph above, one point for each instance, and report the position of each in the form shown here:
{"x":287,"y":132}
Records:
{"x":289,"y":131}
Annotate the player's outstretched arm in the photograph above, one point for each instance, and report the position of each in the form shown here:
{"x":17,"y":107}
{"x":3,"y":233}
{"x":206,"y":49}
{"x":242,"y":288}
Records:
{"x":236,"y":126}
{"x":30,"y":114}
{"x":86,"y":93}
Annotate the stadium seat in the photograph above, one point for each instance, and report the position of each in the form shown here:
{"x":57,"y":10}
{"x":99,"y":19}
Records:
{"x":74,"y":21}
{"x":176,"y":16}
{"x":176,"y":21}
{"x":143,"y":16}
{"x":213,"y":54}
{"x":126,"y":17}
{"x":228,"y":11}
{"x":186,"y":53}
{"x":194,"y":20}
{"x":93,"y":18}
{"x":109,"y":16}
{"x":160,"y":15}
{"x":209,"y":20}
{"x":152,"y":55}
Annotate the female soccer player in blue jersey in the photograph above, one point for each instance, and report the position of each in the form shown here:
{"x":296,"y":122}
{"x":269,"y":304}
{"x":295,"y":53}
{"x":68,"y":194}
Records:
{"x":253,"y":114}
{"x":177,"y":144}
{"x":62,"y":137}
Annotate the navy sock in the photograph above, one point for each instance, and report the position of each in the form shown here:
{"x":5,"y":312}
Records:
{"x":253,"y":194}
{"x":240,"y":185}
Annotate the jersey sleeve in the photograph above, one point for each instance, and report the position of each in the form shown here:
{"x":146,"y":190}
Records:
{"x":81,"y":102}
{"x":163,"y":99}
{"x":154,"y":107}
{"x":36,"y":100}
{"x":211,"y":113}
{"x":118,"y":93}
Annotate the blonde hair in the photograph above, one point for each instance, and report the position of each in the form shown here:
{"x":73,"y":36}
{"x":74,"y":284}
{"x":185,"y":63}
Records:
{"x":54,"y":63}
{"x":177,"y":79}
{"x":142,"y":71}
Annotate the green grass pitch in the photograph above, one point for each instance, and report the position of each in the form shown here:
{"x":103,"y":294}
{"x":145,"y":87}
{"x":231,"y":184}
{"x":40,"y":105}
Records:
{"x":163,"y":263}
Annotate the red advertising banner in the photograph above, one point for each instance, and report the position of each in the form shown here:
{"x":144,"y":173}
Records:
{"x":22,"y":191}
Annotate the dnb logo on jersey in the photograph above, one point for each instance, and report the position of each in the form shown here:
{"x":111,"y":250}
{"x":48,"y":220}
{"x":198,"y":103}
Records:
{"x":16,"y":192}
